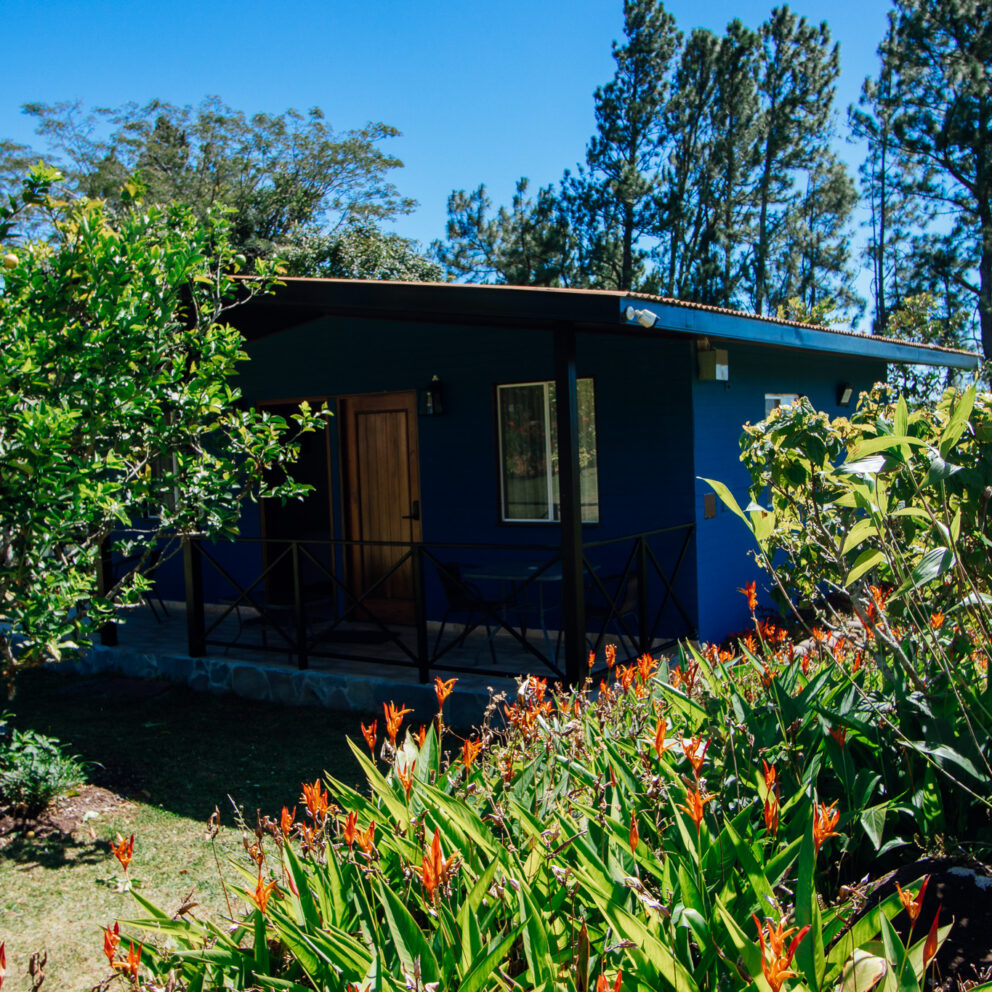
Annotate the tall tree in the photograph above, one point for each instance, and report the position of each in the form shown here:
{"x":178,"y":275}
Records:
{"x":613,"y":200}
{"x":284,"y":175}
{"x":932,"y":104}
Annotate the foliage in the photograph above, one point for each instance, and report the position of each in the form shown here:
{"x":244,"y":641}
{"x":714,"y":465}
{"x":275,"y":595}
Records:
{"x":672,"y":832}
{"x":286,"y":177}
{"x":34,"y":769}
{"x":709,"y":178}
{"x":926,"y":117}
{"x":117,"y":407}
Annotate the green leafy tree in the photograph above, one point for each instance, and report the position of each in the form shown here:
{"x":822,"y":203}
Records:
{"x":117,"y":408}
{"x":930,"y":110}
{"x":283,"y":175}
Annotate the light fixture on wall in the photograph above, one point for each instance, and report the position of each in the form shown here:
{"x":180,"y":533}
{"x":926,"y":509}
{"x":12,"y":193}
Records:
{"x":844,"y":393}
{"x":430,"y":399}
{"x":645,"y":318}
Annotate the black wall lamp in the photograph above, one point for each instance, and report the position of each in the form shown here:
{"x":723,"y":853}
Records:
{"x":430,"y":399}
{"x":844,"y":393}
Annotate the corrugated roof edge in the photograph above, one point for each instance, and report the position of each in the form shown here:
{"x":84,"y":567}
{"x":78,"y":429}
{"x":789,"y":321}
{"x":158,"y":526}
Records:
{"x":648,"y":297}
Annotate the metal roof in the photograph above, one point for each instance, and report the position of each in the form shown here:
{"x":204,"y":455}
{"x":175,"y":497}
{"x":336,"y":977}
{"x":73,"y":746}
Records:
{"x":300,"y":300}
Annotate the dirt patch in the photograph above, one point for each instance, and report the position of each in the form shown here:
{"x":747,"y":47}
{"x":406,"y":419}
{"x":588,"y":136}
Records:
{"x":68,"y":816}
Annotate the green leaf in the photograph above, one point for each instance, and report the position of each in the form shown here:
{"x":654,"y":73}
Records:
{"x":411,"y":944}
{"x":480,"y":970}
{"x":865,"y":562}
{"x":935,"y":563}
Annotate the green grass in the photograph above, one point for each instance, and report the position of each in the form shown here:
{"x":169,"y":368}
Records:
{"x":175,"y":755}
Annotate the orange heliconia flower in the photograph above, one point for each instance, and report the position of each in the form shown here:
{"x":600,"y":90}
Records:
{"x":261,"y":894}
{"x":349,"y":829}
{"x":316,"y":800}
{"x":592,"y":660}
{"x":646,"y":666}
{"x":634,"y":835}
{"x":856,"y":666}
{"x":911,"y":905}
{"x":611,"y":655}
{"x":930,"y":944}
{"x":421,"y":735}
{"x":839,"y":734}
{"x":371,"y":735}
{"x":111,"y":938}
{"x":825,"y":818}
{"x":660,"y":730}
{"x":770,"y":775}
{"x":937,"y":620}
{"x":286,"y":821}
{"x":602,"y":985}
{"x":133,"y":962}
{"x":750,"y":590}
{"x":435,"y":869}
{"x":771,"y":814}
{"x":443,"y":689}
{"x":406,"y":777}
{"x":366,"y":838}
{"x":775,"y":959}
{"x":695,"y":752}
{"x":123,"y":850}
{"x":394,"y":718}
{"x":470,"y":751}
{"x":694,"y":805}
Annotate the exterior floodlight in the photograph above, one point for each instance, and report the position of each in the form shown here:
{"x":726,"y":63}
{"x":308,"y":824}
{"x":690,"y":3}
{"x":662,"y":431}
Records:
{"x":643,"y":317}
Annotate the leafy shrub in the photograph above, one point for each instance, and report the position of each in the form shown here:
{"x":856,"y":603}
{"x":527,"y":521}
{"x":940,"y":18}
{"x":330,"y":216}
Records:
{"x":34,"y":770}
{"x":675,"y":830}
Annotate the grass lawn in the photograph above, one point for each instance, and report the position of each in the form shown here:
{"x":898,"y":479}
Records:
{"x":174,"y":755}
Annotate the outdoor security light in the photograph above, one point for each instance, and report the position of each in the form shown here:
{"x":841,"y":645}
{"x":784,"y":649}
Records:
{"x":643,"y":317}
{"x":844,"y":393}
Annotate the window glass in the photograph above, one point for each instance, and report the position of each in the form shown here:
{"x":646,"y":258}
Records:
{"x":529,"y":452}
{"x":774,"y":400}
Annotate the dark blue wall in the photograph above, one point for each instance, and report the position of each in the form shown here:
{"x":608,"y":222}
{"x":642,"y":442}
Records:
{"x":643,"y":413}
{"x":719,"y":411}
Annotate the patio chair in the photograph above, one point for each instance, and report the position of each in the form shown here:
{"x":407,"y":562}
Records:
{"x":464,"y":598}
{"x":626,"y":594}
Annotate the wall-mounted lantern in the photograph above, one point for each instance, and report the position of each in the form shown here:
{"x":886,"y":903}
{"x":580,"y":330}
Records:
{"x":714,"y":365}
{"x":430,"y":400}
{"x":844,"y":393}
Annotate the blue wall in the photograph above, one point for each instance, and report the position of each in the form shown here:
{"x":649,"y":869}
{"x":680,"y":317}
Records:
{"x":643,"y":413}
{"x":719,"y":411}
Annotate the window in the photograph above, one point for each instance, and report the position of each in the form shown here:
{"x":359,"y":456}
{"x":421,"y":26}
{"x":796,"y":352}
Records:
{"x":774,"y":400}
{"x":528,"y":452}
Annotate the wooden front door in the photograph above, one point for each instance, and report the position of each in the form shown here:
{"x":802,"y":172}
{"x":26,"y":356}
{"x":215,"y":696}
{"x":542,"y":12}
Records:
{"x":381,"y":479}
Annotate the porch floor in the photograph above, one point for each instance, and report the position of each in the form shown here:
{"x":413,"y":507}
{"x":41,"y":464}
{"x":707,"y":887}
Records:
{"x":157,"y":648}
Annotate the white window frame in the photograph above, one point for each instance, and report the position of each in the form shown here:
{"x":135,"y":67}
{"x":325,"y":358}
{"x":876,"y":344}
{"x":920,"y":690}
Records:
{"x":774,"y":401}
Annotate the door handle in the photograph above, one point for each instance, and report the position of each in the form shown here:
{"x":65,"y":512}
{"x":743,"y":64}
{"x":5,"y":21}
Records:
{"x":414,"y":513}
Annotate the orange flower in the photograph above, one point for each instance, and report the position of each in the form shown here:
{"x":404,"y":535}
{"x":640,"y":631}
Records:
{"x":602,"y":985}
{"x":605,"y":692}
{"x":349,"y":829}
{"x":286,"y":821}
{"x":611,"y":655}
{"x":435,"y":869}
{"x":694,"y":805}
{"x":371,"y":735}
{"x":316,"y":800}
{"x":133,"y":962}
{"x":634,"y":835}
{"x":775,"y":960}
{"x":695,"y":752}
{"x":750,"y":590}
{"x":856,"y":667}
{"x":443,"y":689}
{"x":508,"y":769}
{"x":262,"y":892}
{"x":819,"y":635}
{"x":770,"y":775}
{"x":124,"y":851}
{"x":911,"y":905}
{"x":646,"y":666}
{"x":592,"y":660}
{"x":937,"y":620}
{"x":366,"y":838}
{"x":421,"y":735}
{"x":470,"y":751}
{"x":406,"y":777}
{"x":750,"y":644}
{"x":660,"y":730}
{"x":626,"y":675}
{"x":771,"y":814}
{"x":839,"y":734}
{"x":825,"y":818}
{"x":930,"y":944}
{"x":394,"y":718}
{"x":111,"y":938}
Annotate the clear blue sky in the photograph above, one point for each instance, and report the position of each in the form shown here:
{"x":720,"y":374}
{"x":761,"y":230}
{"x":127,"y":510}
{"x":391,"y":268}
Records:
{"x":483,"y":92}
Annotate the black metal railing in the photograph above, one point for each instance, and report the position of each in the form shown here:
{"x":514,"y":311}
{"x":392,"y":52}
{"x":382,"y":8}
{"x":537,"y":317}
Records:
{"x":303,"y":598}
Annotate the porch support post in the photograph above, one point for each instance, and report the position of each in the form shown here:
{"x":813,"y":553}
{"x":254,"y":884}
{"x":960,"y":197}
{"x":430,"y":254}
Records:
{"x":193,"y":575}
{"x":104,"y":583}
{"x":573,"y":610}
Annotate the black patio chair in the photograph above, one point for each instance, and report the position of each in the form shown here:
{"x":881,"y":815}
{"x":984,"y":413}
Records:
{"x":626,"y":594}
{"x":464,"y":598}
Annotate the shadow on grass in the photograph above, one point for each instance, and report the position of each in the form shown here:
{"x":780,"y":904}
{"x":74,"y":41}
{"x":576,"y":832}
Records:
{"x":55,"y":851}
{"x":184,"y":751}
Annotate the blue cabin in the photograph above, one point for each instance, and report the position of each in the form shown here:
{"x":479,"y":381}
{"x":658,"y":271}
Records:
{"x":522,"y":463}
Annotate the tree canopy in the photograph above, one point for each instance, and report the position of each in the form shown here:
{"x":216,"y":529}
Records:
{"x":118,"y":410}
